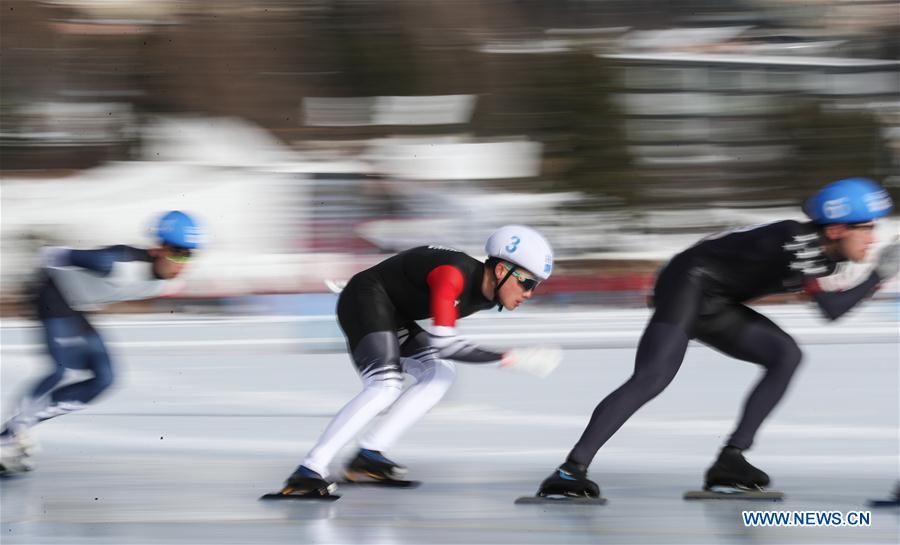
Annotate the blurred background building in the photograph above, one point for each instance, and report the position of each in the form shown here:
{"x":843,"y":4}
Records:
{"x":313,"y":137}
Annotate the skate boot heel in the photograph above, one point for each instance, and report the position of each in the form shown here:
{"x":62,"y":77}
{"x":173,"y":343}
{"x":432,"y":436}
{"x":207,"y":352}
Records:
{"x":373,"y":464}
{"x":371,"y":467}
{"x":353,"y":476}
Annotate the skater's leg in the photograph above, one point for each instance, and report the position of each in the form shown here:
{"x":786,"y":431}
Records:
{"x":678,"y":297}
{"x":747,"y":335}
{"x":659,"y":356}
{"x":32,"y":403}
{"x":353,"y":417}
{"x":433,"y":378}
{"x":67,"y":349}
{"x":377,"y":356}
{"x":75,"y":396}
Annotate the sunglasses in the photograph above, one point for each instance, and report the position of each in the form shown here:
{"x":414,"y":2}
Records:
{"x":178,"y":255}
{"x":861,"y":226}
{"x":526,"y":282}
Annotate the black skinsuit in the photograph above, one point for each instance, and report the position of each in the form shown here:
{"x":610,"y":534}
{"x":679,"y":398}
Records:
{"x":700,"y":294}
{"x":378,"y":307}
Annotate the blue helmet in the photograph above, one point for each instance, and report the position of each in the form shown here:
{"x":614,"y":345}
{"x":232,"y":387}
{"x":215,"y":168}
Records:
{"x":176,"y":228}
{"x":851,"y":200}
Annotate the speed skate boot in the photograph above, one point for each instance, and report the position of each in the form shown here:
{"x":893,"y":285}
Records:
{"x":16,"y":449}
{"x":732,"y":470}
{"x":569,"y":480}
{"x":374,"y":465}
{"x":305,"y":484}
{"x":304,"y":480}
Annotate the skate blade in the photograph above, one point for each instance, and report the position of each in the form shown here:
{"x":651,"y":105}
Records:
{"x":10,"y":474}
{"x":883,"y":503}
{"x":559,"y":500}
{"x":17,"y":468}
{"x":362,"y":478}
{"x":734,"y":494}
{"x":386,"y":483}
{"x":288,"y":493}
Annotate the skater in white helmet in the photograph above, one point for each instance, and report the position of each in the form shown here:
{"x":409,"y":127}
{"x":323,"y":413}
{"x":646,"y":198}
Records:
{"x":377,"y":311}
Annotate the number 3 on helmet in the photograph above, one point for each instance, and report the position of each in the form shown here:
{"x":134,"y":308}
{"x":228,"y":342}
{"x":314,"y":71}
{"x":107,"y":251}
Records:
{"x":522,"y":246}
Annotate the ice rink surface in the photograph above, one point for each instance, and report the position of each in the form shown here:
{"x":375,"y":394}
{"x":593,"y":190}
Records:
{"x":210,"y":413}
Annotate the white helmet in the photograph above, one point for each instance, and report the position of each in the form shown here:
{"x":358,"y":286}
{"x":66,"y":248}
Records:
{"x":522,"y":246}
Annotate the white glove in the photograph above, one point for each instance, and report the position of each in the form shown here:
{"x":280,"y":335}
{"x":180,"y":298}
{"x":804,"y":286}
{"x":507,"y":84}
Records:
{"x":539,"y":361}
{"x":888,"y":263}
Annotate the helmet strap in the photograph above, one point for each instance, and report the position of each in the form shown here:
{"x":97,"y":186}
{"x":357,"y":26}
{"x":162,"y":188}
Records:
{"x":509,"y":272}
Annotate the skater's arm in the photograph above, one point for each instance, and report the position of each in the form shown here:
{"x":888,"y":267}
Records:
{"x":90,"y":279}
{"x":447,"y":283}
{"x":445,"y":343}
{"x":539,"y":361}
{"x":103,"y":260}
{"x":451,"y":347}
{"x":835,"y":304}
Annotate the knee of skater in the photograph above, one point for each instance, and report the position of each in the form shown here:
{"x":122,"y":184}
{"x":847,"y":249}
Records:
{"x":56,"y":375}
{"x":790,"y":357}
{"x":387,"y":390}
{"x":103,"y":378}
{"x":50,"y":381}
{"x":438,"y":380}
{"x":444,"y":373}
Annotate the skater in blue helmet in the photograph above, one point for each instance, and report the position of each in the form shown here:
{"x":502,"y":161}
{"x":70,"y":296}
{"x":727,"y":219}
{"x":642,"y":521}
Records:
{"x":702,"y":294}
{"x":72,"y":283}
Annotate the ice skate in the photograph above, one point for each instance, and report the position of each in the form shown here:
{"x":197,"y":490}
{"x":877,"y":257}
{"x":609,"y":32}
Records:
{"x":16,"y":450}
{"x":373,"y":468}
{"x":567,"y":484}
{"x":733,"y":477}
{"x":892,"y":501}
{"x":305,"y":484}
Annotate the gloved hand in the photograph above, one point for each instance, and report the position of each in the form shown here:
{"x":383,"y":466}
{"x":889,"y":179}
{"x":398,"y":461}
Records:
{"x":888,"y":262}
{"x":539,"y":361}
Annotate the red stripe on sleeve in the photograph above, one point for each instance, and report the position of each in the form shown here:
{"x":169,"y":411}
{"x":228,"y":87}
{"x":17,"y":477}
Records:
{"x":811,"y":286}
{"x":446,"y":283}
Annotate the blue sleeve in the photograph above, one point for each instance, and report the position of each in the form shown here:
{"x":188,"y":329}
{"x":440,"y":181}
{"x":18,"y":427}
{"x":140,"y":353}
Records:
{"x":101,"y":261}
{"x":836,"y":303}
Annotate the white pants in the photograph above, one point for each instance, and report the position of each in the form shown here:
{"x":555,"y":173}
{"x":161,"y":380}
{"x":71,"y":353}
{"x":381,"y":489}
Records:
{"x":433,"y":378}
